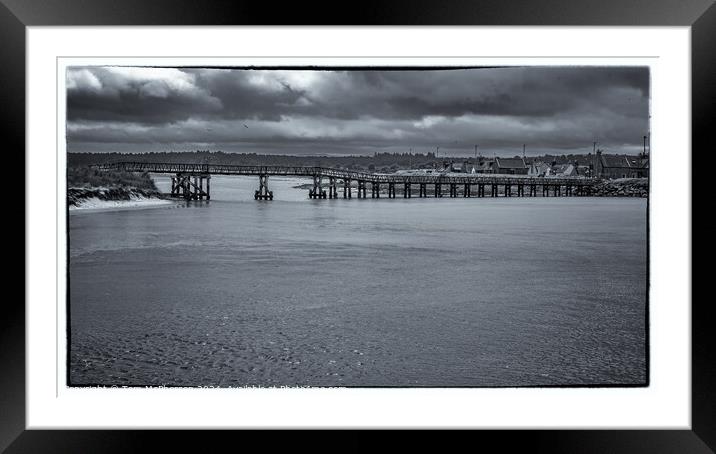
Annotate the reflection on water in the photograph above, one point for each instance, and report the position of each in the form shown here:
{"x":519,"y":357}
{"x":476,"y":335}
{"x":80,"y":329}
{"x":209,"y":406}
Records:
{"x":419,"y":292}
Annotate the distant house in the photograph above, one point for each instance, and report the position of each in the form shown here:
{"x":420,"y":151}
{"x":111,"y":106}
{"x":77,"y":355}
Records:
{"x":564,"y":170}
{"x":459,"y":168}
{"x":620,"y":166}
{"x":511,"y":166}
{"x":485,"y":166}
{"x":584,"y":170}
{"x":538,"y":169}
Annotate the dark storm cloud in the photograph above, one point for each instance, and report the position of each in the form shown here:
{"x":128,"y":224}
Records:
{"x":245,"y":94}
{"x":564,"y":108}
{"x":141,"y":95}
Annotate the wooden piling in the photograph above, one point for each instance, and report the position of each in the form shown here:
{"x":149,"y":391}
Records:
{"x":263,"y":192}
{"x":332,"y":193}
{"x":406,"y":190}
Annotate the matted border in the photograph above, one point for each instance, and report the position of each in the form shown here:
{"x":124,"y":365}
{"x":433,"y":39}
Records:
{"x":28,"y":12}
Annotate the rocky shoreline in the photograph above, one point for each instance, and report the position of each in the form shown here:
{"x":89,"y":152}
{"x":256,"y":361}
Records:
{"x":623,"y":187}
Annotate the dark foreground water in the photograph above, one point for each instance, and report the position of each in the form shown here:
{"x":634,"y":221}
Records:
{"x":419,"y":292}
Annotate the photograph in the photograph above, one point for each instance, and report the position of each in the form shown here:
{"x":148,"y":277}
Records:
{"x":464,"y":216}
{"x":357,"y":226}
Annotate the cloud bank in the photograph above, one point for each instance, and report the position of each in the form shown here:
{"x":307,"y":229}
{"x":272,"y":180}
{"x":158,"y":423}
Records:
{"x":549,"y":109}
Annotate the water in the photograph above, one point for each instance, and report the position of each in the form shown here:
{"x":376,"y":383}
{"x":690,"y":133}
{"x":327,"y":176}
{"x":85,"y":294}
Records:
{"x":418,"y":292}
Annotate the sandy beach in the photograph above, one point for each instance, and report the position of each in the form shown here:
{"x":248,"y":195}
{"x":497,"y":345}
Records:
{"x":138,"y":202}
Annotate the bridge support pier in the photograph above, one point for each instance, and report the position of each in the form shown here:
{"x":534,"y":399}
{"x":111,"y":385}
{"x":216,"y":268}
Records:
{"x":533,"y":190}
{"x":557,"y":190}
{"x":545,"y":190}
{"x":178,"y":186}
{"x":407,"y":190}
{"x":375,"y":189}
{"x":520,"y":190}
{"x":175,"y":185}
{"x":438,"y":190}
{"x":494,"y":190}
{"x":332,"y":193}
{"x":568,"y":190}
{"x":453,"y":190}
{"x":361,"y":189}
{"x":508,"y":190}
{"x":391,"y":190}
{"x":191,"y":186}
{"x":317,"y":192}
{"x":423,"y":190}
{"x":346,"y":189}
{"x":480,"y":190}
{"x":263,"y":192}
{"x":466,"y":190}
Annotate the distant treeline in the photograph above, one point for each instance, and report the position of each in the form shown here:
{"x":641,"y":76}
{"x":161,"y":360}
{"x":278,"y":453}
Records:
{"x":383,"y":162}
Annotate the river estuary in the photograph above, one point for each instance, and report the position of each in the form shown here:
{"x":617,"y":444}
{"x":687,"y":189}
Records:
{"x":416,"y":292}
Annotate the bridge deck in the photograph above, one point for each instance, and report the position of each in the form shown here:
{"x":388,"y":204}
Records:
{"x":302,"y":171}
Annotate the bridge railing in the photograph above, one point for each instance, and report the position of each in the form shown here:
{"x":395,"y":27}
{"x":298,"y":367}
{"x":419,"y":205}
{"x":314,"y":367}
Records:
{"x":306,"y":171}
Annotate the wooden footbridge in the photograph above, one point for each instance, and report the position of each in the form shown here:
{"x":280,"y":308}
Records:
{"x":192,"y":181}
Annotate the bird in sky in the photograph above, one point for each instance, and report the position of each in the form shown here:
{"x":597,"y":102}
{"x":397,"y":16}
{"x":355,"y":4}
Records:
{"x":245,"y":126}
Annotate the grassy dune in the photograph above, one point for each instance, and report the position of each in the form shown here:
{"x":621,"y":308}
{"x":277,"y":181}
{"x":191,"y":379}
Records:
{"x":88,"y":177}
{"x":88,"y":183}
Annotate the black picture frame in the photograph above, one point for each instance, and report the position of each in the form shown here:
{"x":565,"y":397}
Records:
{"x":16,"y":15}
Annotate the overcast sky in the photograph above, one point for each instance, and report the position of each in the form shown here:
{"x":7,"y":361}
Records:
{"x":556,"y":110}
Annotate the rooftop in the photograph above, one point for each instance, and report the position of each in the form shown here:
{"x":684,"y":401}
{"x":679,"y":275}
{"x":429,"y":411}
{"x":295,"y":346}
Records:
{"x":511,"y":163}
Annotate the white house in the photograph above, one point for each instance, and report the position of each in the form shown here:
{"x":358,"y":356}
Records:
{"x":538,"y":169}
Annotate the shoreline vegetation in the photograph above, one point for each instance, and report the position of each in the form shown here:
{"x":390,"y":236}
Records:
{"x":93,"y":188}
